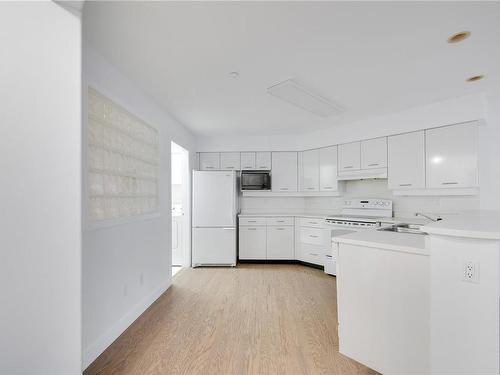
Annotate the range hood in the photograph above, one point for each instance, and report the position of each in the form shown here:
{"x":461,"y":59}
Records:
{"x":362,"y":174}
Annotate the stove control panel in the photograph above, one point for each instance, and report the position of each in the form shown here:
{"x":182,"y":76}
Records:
{"x":385,"y":204}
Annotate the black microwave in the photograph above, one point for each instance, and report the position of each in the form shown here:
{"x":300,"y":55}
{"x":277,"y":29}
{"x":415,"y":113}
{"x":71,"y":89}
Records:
{"x":255,"y":180}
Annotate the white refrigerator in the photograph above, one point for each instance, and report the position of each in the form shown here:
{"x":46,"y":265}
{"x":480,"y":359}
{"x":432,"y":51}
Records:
{"x":215,"y":207}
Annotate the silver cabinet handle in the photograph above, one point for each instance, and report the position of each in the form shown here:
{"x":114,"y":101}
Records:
{"x":283,"y":188}
{"x":252,"y":228}
{"x":310,"y":188}
{"x":264,"y":166}
{"x":327,"y":187}
{"x":313,"y":236}
{"x":449,"y":183}
{"x":280,"y":228}
{"x":228,"y":228}
{"x":372,"y":165}
{"x":248,"y":167}
{"x":209,"y":167}
{"x":348,"y":166}
{"x":230,"y":167}
{"x":313,"y":254}
{"x":280,"y":221}
{"x":405,"y":184}
{"x":252,"y":221}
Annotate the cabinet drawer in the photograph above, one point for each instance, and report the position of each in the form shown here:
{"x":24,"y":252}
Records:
{"x":311,"y":222}
{"x":252,"y":221}
{"x":313,"y":236}
{"x":280,"y":221}
{"x":312,"y":254}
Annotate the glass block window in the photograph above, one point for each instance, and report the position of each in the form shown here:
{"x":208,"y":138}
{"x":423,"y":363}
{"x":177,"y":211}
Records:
{"x":123,"y":161}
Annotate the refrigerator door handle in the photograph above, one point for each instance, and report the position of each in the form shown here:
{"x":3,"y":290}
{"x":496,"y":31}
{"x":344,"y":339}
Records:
{"x":228,"y":228}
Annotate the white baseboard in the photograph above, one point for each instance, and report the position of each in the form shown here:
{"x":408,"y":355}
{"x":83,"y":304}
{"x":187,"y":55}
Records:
{"x":98,"y":346}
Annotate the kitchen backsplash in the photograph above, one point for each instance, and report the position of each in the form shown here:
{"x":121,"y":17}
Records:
{"x":402,"y":206}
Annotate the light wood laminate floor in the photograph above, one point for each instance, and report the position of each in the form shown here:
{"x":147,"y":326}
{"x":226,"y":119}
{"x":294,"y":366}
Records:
{"x":253,"y":319}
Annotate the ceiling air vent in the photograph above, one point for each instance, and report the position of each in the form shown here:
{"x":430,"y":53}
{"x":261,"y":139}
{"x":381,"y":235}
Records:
{"x":296,"y":94}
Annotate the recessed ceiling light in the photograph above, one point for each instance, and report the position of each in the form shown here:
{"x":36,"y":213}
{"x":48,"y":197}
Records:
{"x":234,"y":75}
{"x":475,"y":78}
{"x":458,"y":37}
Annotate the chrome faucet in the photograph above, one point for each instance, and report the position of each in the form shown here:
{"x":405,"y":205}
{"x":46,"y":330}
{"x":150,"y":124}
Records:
{"x":427,"y":216}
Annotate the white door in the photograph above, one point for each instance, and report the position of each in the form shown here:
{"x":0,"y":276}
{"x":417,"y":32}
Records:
{"x":247,"y":161}
{"x":284,"y":171}
{"x":209,"y":161}
{"x":309,"y":170}
{"x":177,"y":248}
{"x":263,"y":160}
{"x":374,"y":153}
{"x":328,"y":169}
{"x":252,"y":242}
{"x":214,"y":246}
{"x":451,"y":156}
{"x":349,"y":157}
{"x":230,"y":161}
{"x":406,"y":161}
{"x":280,"y":242}
{"x":214,"y":199}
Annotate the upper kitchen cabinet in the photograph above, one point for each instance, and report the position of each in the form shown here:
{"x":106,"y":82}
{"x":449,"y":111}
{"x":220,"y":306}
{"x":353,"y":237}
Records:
{"x":284,"y":172}
{"x":309,"y":170}
{"x":328,"y":169}
{"x":209,"y":161}
{"x":247,"y":161}
{"x":349,"y":157}
{"x":406,"y":161}
{"x":263,"y":160}
{"x":230,"y":161}
{"x":374,"y":153}
{"x":451,"y":156}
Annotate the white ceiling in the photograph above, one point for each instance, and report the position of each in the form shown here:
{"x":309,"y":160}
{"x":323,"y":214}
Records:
{"x":371,"y":58}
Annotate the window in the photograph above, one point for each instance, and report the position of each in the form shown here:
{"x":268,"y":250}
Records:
{"x":123,"y":161}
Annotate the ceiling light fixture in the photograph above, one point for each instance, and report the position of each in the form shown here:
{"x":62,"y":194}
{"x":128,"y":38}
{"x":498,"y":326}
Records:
{"x":234,"y":74}
{"x":458,"y":37}
{"x":475,"y":78}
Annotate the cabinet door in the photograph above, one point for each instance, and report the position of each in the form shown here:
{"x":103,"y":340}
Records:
{"x":252,"y":243}
{"x":230,"y":161}
{"x":406,"y":161}
{"x":247,"y":160}
{"x":374,"y":153}
{"x":309,"y":170}
{"x":280,"y":242}
{"x":328,"y":169}
{"x":209,"y":161}
{"x":451,"y":156}
{"x":263,"y":160}
{"x":349,"y":155}
{"x":284,"y":171}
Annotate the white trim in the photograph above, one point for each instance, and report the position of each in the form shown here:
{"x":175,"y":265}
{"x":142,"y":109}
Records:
{"x":106,"y":339}
{"x":263,"y":194}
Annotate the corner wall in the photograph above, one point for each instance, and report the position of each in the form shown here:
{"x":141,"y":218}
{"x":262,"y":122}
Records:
{"x":40,"y":204}
{"x":126,"y":266}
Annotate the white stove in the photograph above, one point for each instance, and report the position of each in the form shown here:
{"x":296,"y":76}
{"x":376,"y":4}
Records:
{"x":362,"y":213}
{"x":357,"y":214}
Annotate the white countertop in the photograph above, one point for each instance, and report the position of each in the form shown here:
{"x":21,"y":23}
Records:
{"x":481,"y":224}
{"x":404,"y":242}
{"x":287,"y":214}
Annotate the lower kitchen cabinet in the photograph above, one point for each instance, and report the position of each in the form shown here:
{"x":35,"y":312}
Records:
{"x":280,"y":241}
{"x":314,"y":241}
{"x":253,"y":242}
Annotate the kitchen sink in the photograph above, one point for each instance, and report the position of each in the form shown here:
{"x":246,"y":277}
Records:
{"x":403,"y":228}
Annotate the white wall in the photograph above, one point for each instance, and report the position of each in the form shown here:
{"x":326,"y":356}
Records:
{"x":480,"y":106}
{"x":116,"y":258}
{"x":40,"y":205}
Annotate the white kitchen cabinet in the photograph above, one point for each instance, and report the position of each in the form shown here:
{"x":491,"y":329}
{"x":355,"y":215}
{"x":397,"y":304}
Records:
{"x":451,"y":156}
{"x":230,"y":161}
{"x":253,"y":242}
{"x":349,"y":157}
{"x":247,"y":161}
{"x":308,"y":170}
{"x":406,"y":161}
{"x":280,"y":242}
{"x":284,"y":172}
{"x":209,"y":161}
{"x":374,"y":153}
{"x":328,"y":169}
{"x":263,"y":160}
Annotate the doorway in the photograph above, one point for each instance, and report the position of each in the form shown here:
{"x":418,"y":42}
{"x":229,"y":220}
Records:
{"x":180,"y":208}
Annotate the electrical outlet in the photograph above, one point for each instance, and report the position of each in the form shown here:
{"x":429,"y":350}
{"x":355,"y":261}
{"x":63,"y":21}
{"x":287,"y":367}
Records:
{"x":471,"y":272}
